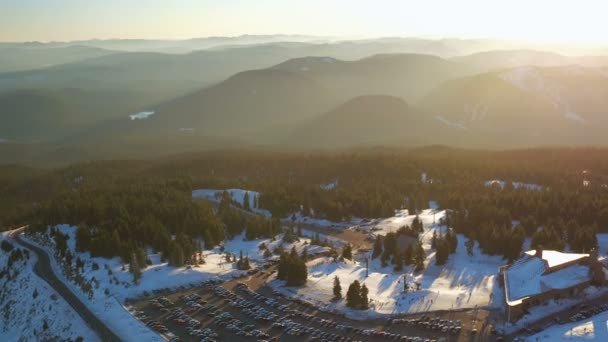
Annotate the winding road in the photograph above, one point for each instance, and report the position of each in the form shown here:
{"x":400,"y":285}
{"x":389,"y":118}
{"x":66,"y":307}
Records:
{"x":44,"y":270}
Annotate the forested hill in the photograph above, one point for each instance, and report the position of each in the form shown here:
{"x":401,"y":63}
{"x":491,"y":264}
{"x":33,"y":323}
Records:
{"x":132,"y":204}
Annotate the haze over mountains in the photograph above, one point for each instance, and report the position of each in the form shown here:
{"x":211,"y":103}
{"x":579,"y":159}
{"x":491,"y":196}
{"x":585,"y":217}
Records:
{"x":294,"y":91}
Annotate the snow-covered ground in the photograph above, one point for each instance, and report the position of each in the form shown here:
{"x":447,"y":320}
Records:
{"x":447,"y":122}
{"x":115,"y":283}
{"x":516,"y":185}
{"x":594,"y":329}
{"x":27,"y":302}
{"x":464,"y":282}
{"x":112,"y":278}
{"x":252,"y":248}
{"x":237,"y":195}
{"x":322,"y":223}
{"x":330,"y":186}
{"x":140,"y":115}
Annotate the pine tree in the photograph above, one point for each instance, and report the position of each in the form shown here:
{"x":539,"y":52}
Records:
{"x":441,"y":256}
{"x":134,"y":268}
{"x":246,"y":205}
{"x":347,"y":252}
{"x":337,"y":288}
{"x":398,"y":262}
{"x":377,"y":249}
{"x":408,"y":254}
{"x":305,"y":254}
{"x":419,"y":257}
{"x":353,"y":295}
{"x":364,"y":300}
{"x":384,"y":258}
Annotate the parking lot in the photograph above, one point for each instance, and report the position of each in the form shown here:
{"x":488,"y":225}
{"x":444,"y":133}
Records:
{"x":247,"y":309}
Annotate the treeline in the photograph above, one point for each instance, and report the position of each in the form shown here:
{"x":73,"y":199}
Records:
{"x":117,"y":221}
{"x":149,"y":201}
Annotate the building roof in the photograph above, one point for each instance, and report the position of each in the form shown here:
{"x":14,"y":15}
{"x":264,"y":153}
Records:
{"x":530,"y":276}
{"x":555,"y":258}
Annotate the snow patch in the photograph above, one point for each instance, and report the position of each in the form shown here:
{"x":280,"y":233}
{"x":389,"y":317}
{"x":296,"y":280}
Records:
{"x":330,"y":185}
{"x":237,"y":195}
{"x":516,"y":185}
{"x":447,"y":122}
{"x":575,"y":117}
{"x":141,"y":115}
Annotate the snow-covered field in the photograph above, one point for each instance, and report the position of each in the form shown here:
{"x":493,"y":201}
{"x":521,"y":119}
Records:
{"x":464,"y":282}
{"x":26,"y":302}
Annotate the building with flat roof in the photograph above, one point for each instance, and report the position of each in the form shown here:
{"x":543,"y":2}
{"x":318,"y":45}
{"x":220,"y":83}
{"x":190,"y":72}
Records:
{"x":541,"y":275}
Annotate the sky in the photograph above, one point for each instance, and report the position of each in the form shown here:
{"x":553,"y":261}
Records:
{"x":580,"y":21}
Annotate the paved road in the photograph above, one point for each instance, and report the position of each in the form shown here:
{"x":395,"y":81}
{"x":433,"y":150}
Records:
{"x":44,"y":270}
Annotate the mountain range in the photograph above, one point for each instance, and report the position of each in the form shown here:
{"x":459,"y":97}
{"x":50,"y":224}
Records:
{"x":295,"y":91}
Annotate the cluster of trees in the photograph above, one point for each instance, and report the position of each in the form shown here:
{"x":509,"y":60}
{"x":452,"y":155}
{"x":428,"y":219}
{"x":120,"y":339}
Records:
{"x":292,"y":268}
{"x":386,"y":247}
{"x":356,"y":296}
{"x":243,"y":262}
{"x":444,"y":245}
{"x":119,"y":221}
{"x":236,"y":221}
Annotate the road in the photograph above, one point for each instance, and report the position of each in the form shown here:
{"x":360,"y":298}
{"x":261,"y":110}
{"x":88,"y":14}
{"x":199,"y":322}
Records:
{"x":44,"y":270}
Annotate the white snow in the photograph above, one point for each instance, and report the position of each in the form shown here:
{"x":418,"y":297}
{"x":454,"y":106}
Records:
{"x":527,"y":276}
{"x":252,"y":248}
{"x":141,"y":115}
{"x":516,"y":185}
{"x":447,"y":122}
{"x":477,"y":111}
{"x":237,"y":195}
{"x":575,"y":117}
{"x":323,"y":223}
{"x":330,"y":186}
{"x":186,"y":129}
{"x":522,"y":279}
{"x":464,"y":282}
{"x":593,"y":328}
{"x":556,"y":258}
{"x":120,"y":285}
{"x":159,"y":275}
{"x":429,"y":217}
{"x":24,"y":316}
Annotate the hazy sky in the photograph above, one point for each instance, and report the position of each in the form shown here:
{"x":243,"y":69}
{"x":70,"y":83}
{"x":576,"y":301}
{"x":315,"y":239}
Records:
{"x":580,"y":21}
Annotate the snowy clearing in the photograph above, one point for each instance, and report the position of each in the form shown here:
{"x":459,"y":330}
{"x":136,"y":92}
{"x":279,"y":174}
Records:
{"x":464,"y":282}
